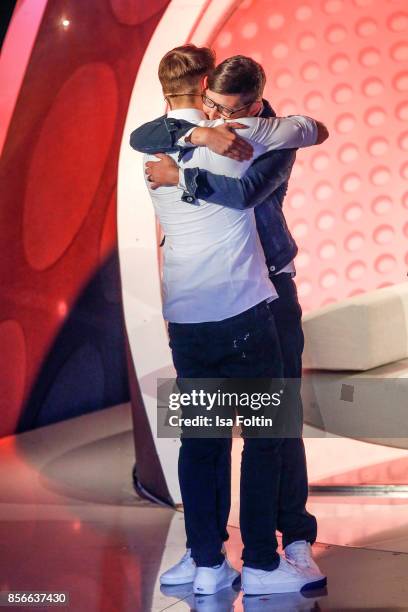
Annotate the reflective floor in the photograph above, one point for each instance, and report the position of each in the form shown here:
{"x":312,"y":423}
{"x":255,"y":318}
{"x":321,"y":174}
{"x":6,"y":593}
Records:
{"x":71,"y":521}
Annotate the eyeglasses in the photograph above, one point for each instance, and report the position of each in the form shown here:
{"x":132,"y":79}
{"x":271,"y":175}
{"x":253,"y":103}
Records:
{"x":223,"y":110}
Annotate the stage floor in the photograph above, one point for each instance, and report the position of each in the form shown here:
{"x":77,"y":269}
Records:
{"x":71,"y":521}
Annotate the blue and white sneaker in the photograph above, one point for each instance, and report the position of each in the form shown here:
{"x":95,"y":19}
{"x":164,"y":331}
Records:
{"x":300,"y":554}
{"x":286,"y":578}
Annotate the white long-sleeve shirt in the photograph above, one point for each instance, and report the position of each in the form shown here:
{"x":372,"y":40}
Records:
{"x":213,"y":262}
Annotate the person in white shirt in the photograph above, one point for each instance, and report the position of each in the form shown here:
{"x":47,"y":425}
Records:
{"x":205,"y":233}
{"x":216,"y":294}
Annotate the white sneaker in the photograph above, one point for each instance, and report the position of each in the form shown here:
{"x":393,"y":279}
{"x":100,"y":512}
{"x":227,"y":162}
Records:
{"x":300,"y":553}
{"x":210,"y":580}
{"x":286,"y":578}
{"x":181,"y":573}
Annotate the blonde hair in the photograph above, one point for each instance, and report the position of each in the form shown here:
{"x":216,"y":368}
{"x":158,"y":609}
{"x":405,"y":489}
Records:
{"x":182,"y":68}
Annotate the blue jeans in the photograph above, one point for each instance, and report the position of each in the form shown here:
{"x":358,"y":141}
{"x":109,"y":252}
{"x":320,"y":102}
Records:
{"x":243,"y":346}
{"x":294,"y":521}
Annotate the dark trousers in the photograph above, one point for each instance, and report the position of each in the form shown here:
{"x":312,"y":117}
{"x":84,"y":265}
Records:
{"x":243,"y":346}
{"x":294,"y":522}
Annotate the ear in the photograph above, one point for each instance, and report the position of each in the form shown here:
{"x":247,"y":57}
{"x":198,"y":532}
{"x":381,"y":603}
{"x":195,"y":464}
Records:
{"x":255,"y":108}
{"x":204,"y":82}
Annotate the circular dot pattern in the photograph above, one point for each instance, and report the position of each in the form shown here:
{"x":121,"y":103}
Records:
{"x":350,"y":182}
{"x":368,"y":57}
{"x":333,"y":6}
{"x":325,"y":220}
{"x":366,"y":27}
{"x":280,"y":50}
{"x":383,"y":234}
{"x":327,"y":250}
{"x":381,"y":205}
{"x":276,"y":21}
{"x":398,"y":22}
{"x":339,"y":63}
{"x":307,"y":41}
{"x":348,"y":153}
{"x":378,"y":146}
{"x":372,"y":87}
{"x":354,"y":241}
{"x":328,"y":279}
{"x":400,"y":81}
{"x":310,"y":71}
{"x":303,"y":12}
{"x":320,"y":161}
{"x":297,"y":198}
{"x":249,"y":30}
{"x":336,"y":34}
{"x":399,"y":51}
{"x":353,"y":212}
{"x":344,"y":123}
{"x":342,"y":93}
{"x":283,"y":79}
{"x":347,"y":200}
{"x":314,"y":101}
{"x":375,"y":116}
{"x":302,"y":259}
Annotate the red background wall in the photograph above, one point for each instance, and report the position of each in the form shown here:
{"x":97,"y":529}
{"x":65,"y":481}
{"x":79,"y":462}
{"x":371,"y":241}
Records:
{"x":61,"y":332}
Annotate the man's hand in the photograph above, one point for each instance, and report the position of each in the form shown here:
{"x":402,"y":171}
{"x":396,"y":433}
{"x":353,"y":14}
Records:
{"x":223,"y":140}
{"x":322,"y":133}
{"x":163,"y":172}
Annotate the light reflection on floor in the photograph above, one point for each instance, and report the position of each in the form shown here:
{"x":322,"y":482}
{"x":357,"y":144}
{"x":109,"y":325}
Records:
{"x":375,"y":522}
{"x":70,"y":521}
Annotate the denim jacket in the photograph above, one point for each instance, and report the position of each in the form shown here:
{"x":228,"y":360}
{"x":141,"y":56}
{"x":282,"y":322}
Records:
{"x":264,"y":184}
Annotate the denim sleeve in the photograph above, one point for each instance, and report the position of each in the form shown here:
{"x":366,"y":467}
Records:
{"x":159,"y":135}
{"x":262,"y":178}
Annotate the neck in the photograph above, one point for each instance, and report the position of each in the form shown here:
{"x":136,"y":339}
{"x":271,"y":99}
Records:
{"x":185,"y":102}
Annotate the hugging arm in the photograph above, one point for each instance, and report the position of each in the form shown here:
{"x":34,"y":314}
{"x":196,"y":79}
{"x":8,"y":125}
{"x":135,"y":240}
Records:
{"x":167,"y":135}
{"x":262,"y":178}
{"x":266,"y":173}
{"x":159,"y":135}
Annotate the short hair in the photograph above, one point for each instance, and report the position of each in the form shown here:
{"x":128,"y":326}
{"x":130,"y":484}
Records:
{"x":182,"y":68}
{"x":238,"y":75}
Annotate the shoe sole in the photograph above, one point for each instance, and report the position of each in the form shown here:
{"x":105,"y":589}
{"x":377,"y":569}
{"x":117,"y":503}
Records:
{"x":317,"y":584}
{"x":227,"y":582}
{"x":285,"y":588}
{"x":177,"y":582}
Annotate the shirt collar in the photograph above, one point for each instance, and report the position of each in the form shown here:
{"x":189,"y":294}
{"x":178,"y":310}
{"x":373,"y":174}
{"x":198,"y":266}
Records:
{"x":189,"y":114}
